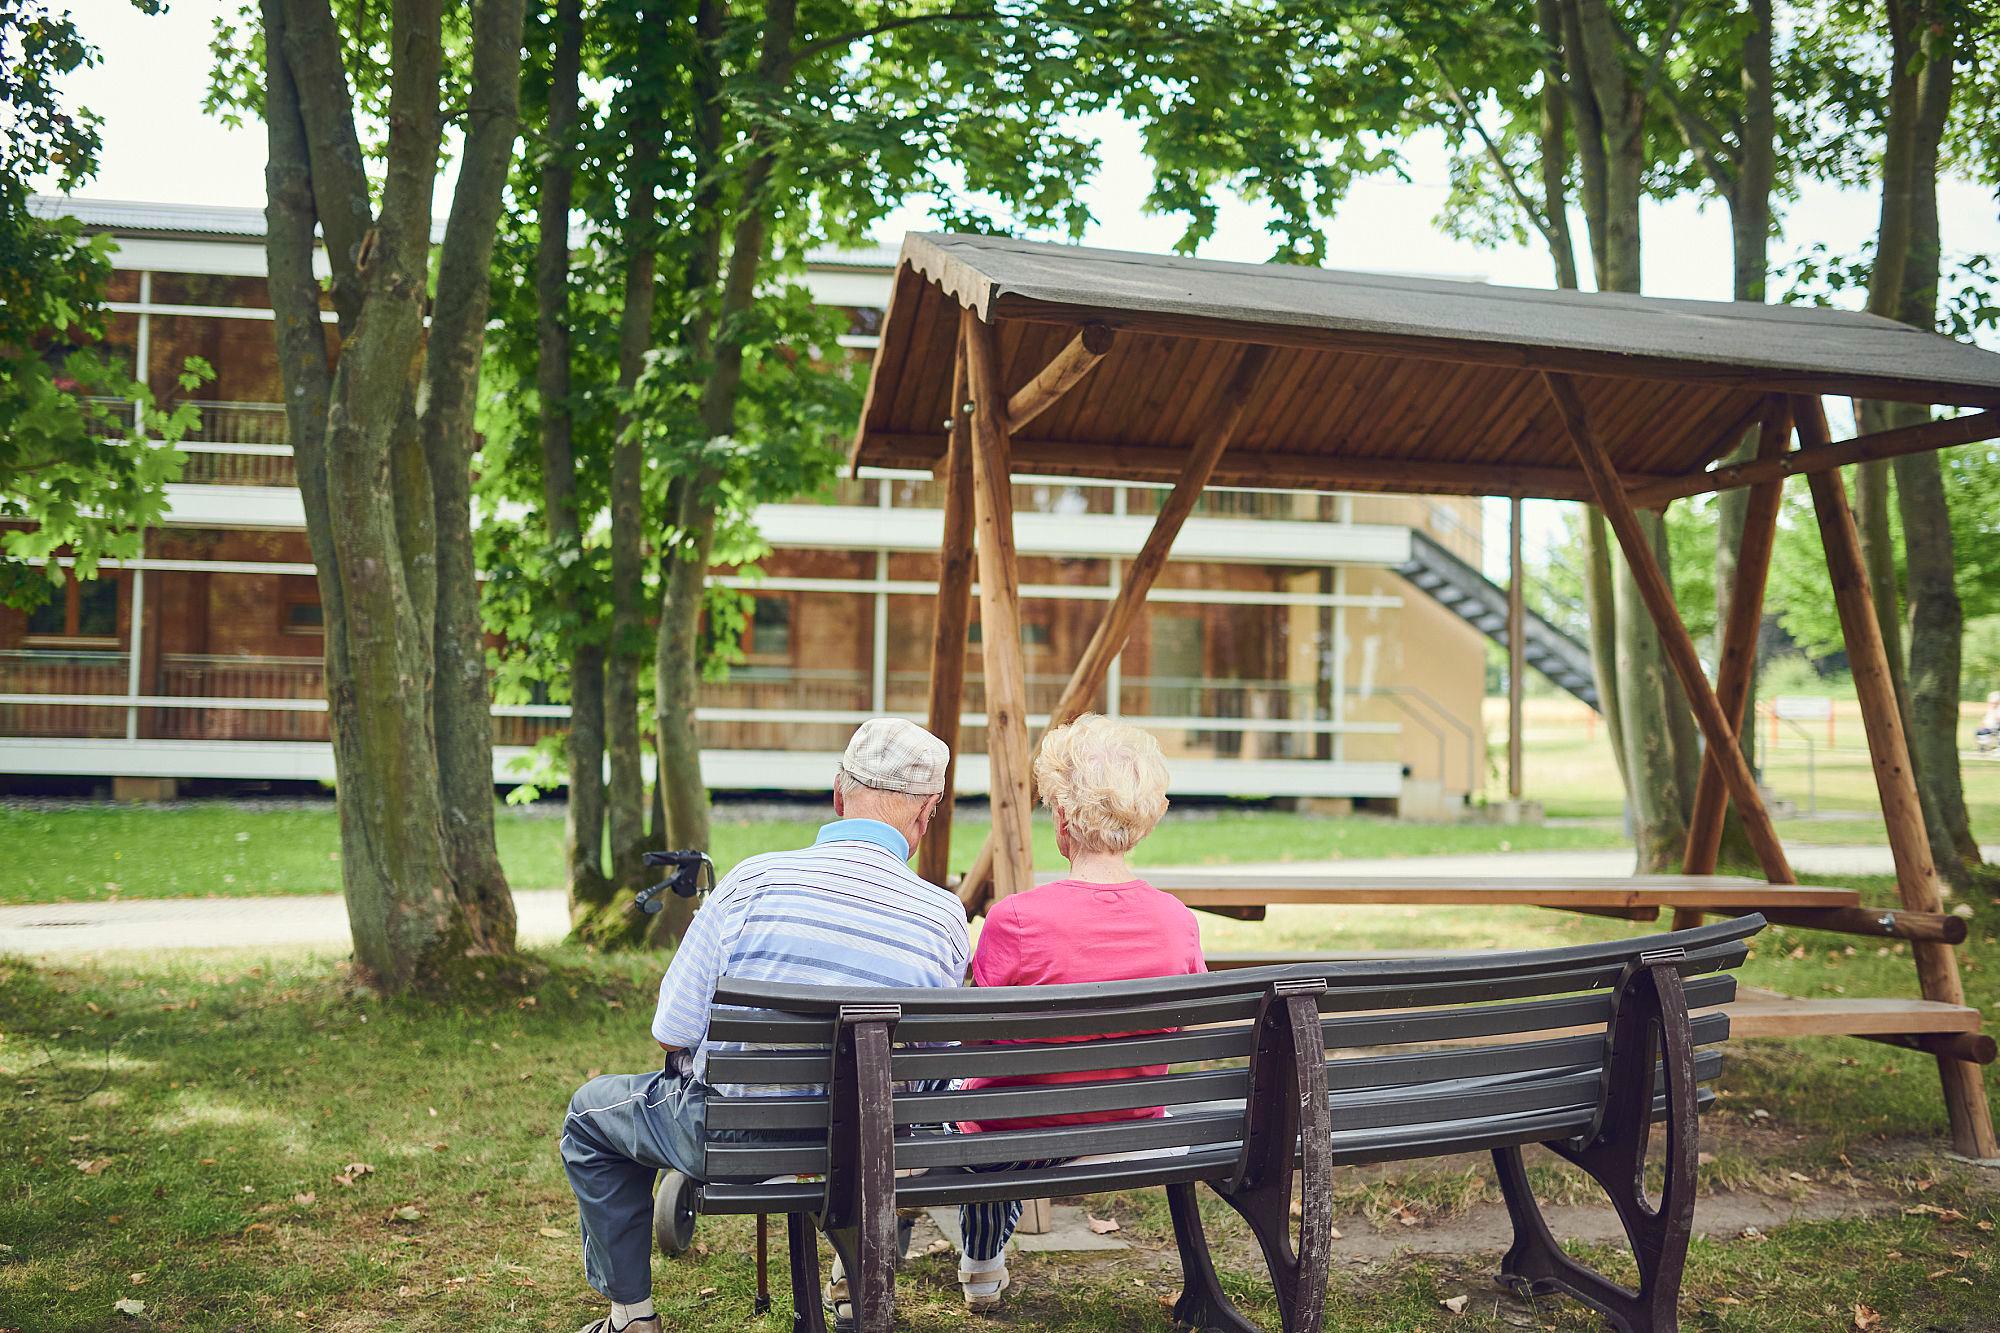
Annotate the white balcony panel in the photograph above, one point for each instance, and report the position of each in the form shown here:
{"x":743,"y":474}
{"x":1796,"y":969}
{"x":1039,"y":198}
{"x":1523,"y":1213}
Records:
{"x":1238,"y":540}
{"x":192,"y":506}
{"x":727,"y":770}
{"x":777,"y":770}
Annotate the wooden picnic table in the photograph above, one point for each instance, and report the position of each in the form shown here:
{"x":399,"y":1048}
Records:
{"x":1246,"y":892}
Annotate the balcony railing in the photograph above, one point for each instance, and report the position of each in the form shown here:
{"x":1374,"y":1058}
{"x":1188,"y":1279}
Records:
{"x":237,"y":698}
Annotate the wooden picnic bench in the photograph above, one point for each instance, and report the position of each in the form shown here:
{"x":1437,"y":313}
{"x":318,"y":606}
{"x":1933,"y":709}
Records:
{"x":1281,"y":1074}
{"x":1938,"y":1027}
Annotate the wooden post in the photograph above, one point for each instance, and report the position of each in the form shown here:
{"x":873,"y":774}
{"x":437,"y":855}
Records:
{"x":1517,"y":650}
{"x":1895,"y":782}
{"x":952,"y":612}
{"x":1109,"y":639}
{"x":999,"y":615}
{"x":1738,"y":666}
{"x":1659,"y":599}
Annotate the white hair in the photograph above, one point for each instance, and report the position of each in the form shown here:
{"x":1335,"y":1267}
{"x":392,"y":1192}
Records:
{"x":1106,"y":779}
{"x":892,"y":807}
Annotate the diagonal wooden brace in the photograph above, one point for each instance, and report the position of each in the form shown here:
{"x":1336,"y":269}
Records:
{"x":1681,"y":656}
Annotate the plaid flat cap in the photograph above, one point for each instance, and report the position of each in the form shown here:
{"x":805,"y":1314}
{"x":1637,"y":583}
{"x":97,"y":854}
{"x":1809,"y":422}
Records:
{"x":895,"y":754}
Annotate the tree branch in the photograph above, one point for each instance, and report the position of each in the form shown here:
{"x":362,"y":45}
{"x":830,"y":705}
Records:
{"x":834,"y":43}
{"x":317,"y":85}
{"x":1708,"y":144}
{"x":1493,"y":153}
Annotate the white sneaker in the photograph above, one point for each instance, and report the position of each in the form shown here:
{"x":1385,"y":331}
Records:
{"x":982,"y":1290}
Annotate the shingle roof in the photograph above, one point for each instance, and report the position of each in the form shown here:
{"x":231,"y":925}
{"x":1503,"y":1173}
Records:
{"x":1372,"y":367}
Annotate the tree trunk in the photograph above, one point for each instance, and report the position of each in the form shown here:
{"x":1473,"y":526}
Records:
{"x":1653,"y":731}
{"x":392,"y":585}
{"x":464,"y":705}
{"x":1885,"y":298}
{"x":627,"y":655}
{"x":1656,"y":758}
{"x":1937,"y":620}
{"x":677,"y":656}
{"x":1749,"y":196}
{"x":583,"y":831}
{"x":1601,"y":596}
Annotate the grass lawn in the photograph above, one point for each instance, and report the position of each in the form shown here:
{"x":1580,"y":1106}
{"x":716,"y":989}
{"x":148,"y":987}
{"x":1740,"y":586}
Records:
{"x":183,"y":1133}
{"x":1573,"y":775}
{"x":204,"y":849}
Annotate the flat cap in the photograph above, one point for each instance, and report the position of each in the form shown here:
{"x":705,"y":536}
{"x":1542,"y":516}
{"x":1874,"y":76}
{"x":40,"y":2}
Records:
{"x":895,"y":754}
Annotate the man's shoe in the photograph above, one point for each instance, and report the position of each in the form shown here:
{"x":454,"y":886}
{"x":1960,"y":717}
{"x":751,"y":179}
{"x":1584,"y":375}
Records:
{"x":840,"y":1304}
{"x":982,"y":1290}
{"x":650,"y":1324}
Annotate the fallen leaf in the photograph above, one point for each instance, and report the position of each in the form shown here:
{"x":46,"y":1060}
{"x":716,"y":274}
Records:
{"x":1798,"y":1175}
{"x":128,"y":1306}
{"x":1864,"y":1317}
{"x":353,"y":1172}
{"x":1335,"y":1231}
{"x":704,"y":1293}
{"x":136,"y":1279}
{"x":1100,"y":1226}
{"x":1455,"y":1304}
{"x":1924,"y":1186}
{"x":1984,"y":1226}
{"x":305,"y":1200}
{"x":553,"y":1233}
{"x":409,"y":1212}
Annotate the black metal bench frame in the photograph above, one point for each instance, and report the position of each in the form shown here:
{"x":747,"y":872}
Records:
{"x":1289,"y":1115}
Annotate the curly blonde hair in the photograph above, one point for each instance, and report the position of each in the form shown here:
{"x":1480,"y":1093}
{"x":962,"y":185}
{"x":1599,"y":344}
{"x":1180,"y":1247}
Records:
{"x":1106,"y":779}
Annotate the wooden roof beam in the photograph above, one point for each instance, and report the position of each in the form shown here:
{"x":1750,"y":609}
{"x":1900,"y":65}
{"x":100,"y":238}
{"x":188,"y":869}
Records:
{"x":1279,"y":471}
{"x":1593,"y":362}
{"x":1077,"y":359}
{"x":1806,"y":462}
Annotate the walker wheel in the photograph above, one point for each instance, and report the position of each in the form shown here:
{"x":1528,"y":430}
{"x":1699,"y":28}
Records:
{"x":673,"y":1213}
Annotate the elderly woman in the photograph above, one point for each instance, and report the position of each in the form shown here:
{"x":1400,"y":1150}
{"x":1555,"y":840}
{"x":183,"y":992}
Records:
{"x":1106,"y":785}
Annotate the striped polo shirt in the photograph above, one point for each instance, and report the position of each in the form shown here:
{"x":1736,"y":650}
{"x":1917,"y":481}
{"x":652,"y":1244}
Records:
{"x":846,"y":911}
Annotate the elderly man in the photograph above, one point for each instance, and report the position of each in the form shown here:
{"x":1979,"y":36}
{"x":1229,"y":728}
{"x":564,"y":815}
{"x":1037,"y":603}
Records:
{"x":845,"y":911}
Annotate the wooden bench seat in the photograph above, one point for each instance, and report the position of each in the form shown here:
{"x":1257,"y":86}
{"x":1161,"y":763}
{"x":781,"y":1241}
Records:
{"x":1275,"y":1075}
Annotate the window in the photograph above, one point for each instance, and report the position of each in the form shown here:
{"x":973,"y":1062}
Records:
{"x":770,"y":628}
{"x":80,"y":612}
{"x":304,"y":617}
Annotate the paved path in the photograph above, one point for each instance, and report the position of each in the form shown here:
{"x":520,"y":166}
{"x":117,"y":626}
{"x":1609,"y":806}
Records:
{"x":320,"y":921}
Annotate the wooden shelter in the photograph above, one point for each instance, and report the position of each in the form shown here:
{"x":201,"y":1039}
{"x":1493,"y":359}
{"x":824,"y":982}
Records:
{"x":1001,"y":355}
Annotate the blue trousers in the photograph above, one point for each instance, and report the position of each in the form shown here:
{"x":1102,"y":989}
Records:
{"x":622,"y":1130}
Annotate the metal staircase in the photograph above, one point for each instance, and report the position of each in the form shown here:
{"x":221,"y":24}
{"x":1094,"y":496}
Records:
{"x":1482,"y":604}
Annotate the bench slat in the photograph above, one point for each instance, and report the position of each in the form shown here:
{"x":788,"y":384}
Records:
{"x":1170,"y":1090}
{"x":1469,"y":1099}
{"x":1213,"y":1043}
{"x":1162,"y":1007}
{"x":1351,"y":1148}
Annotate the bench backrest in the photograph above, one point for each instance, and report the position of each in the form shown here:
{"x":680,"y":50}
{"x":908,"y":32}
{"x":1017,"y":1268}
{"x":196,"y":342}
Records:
{"x":1514,"y":1037}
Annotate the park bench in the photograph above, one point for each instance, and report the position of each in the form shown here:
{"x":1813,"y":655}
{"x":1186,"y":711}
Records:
{"x":1282,"y":1073}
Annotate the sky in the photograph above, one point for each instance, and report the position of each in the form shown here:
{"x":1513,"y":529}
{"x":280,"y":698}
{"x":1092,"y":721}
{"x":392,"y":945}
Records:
{"x":159,"y":146}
